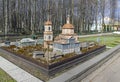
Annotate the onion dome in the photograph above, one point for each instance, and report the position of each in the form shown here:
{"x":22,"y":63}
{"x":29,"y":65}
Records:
{"x":48,"y":23}
{"x":68,"y":25}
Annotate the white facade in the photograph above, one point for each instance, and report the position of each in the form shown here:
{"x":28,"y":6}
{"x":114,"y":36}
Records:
{"x":67,"y":31}
{"x":106,"y":20}
{"x":70,"y":50}
{"x":48,"y":28}
{"x":48,"y":37}
{"x":48,"y":33}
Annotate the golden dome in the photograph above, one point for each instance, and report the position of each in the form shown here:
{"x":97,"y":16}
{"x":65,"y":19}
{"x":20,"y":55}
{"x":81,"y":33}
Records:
{"x":68,"y":26}
{"x":48,"y":23}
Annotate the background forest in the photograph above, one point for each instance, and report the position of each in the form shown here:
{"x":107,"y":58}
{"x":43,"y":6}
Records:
{"x":28,"y":16}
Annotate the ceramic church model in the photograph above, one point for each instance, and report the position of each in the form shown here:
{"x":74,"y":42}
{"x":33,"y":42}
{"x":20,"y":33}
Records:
{"x":66,"y":42}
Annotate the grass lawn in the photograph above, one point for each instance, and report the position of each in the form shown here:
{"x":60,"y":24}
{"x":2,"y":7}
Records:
{"x":4,"y":77}
{"x":109,"y":40}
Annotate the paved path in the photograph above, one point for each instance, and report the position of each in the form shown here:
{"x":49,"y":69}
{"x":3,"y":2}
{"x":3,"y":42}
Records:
{"x":101,"y":34}
{"x":108,"y":72}
{"x":16,"y":73}
{"x":80,"y":68}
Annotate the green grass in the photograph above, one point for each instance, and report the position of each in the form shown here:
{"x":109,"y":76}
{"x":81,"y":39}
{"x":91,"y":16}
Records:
{"x":110,"y":40}
{"x":4,"y":77}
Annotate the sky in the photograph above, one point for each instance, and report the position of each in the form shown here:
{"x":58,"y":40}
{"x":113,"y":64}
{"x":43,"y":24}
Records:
{"x":118,"y":8}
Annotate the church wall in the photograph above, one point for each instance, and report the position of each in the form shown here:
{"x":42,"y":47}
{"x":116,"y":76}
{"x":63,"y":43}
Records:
{"x":48,"y":37}
{"x":48,"y":28}
{"x":67,"y":48}
{"x":67,"y":31}
{"x":71,"y":40}
{"x":71,"y":50}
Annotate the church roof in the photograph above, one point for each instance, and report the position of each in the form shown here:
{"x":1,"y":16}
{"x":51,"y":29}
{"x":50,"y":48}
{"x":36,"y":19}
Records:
{"x":48,"y":23}
{"x":27,"y":40}
{"x":48,"y":32}
{"x":62,"y":41}
{"x":66,"y":36}
{"x":68,"y":26}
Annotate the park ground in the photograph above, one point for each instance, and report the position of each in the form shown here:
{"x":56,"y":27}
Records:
{"x":108,"y":40}
{"x":4,"y":77}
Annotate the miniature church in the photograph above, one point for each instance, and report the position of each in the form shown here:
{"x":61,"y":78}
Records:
{"x":66,"y":42}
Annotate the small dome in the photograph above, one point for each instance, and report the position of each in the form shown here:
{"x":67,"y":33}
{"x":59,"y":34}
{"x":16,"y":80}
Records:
{"x":68,"y":26}
{"x":48,"y":23}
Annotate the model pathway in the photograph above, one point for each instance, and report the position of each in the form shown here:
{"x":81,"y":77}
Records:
{"x":17,"y":73}
{"x":108,"y":72}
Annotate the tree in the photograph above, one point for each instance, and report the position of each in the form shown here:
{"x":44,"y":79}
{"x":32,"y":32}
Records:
{"x":28,"y":16}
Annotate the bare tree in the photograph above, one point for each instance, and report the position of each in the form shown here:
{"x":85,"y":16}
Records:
{"x":28,"y":16}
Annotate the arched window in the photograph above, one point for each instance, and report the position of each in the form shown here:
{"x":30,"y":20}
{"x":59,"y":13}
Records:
{"x":49,"y":28}
{"x":49,"y":37}
{"x":45,"y":37}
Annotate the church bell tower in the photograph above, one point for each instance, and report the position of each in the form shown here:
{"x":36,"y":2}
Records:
{"x":48,"y":34}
